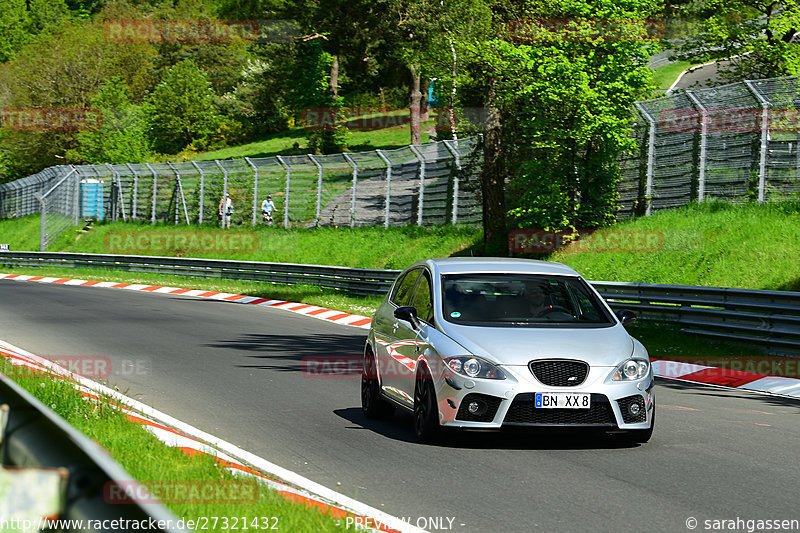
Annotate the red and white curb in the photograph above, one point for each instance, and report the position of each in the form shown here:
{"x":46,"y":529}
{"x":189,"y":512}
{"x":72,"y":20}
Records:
{"x":323,"y":313}
{"x":724,"y":377}
{"x":191,"y":440}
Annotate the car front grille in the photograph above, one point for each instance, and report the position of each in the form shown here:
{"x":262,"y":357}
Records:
{"x":523,"y":413}
{"x":487,"y":408}
{"x":625,"y":405}
{"x":559,"y":372}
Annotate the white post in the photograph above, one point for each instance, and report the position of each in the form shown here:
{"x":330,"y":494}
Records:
{"x":701,"y":180}
{"x":319,"y":188}
{"x":651,"y":157}
{"x":202,"y":191}
{"x":355,"y":184}
{"x":762,"y":164}
{"x":421,"y":182}
{"x":457,"y":156}
{"x":224,"y":191}
{"x":155,"y":188}
{"x":255,"y":190}
{"x":388,"y":186}
{"x":286,"y":197}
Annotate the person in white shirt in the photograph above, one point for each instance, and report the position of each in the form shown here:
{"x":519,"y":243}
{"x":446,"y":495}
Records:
{"x":226,"y":210}
{"x":267,"y":207}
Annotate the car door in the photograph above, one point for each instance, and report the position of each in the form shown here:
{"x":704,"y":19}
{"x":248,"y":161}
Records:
{"x":417,"y":346}
{"x":395,"y":340}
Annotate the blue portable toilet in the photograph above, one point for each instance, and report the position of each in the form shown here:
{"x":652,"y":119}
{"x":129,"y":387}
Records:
{"x":92,"y":198}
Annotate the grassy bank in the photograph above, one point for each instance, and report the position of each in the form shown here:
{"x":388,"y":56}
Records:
{"x":129,"y":443}
{"x":713,"y":244}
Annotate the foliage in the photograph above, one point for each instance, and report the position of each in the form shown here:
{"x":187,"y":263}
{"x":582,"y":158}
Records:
{"x":565,"y":95}
{"x":183,"y":110}
{"x":124,"y":132}
{"x":758,"y":38}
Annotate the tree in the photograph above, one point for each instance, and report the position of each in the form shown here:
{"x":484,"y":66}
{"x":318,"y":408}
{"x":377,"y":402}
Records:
{"x":183,"y":110}
{"x":760,"y":38}
{"x":123,"y":136}
{"x":558,"y":94}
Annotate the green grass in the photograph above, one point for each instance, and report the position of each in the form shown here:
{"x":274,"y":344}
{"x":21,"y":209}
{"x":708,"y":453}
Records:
{"x":715,"y":244}
{"x":294,"y":142}
{"x":143,"y":456}
{"x":361,"y":247}
{"x":665,"y":76}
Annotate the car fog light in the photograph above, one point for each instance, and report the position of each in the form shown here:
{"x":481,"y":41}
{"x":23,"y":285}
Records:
{"x":476,"y":408}
{"x":634,"y":408}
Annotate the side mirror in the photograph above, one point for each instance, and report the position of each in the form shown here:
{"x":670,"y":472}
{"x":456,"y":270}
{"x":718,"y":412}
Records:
{"x":407,"y":313}
{"x":626,"y":316}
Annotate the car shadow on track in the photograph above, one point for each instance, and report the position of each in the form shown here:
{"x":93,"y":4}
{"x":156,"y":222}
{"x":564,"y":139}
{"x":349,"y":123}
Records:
{"x":400,"y":427}
{"x":317,"y":355}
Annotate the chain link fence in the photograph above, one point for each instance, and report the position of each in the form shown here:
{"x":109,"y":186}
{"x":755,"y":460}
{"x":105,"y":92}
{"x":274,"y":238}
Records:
{"x":736,"y":142}
{"x":432,"y":184}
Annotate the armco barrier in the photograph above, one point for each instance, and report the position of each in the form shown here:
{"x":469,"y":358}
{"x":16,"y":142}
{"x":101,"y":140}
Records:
{"x":770,"y":319}
{"x":34,"y":436}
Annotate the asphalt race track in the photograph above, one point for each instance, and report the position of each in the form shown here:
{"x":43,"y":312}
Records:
{"x":236,"y":371}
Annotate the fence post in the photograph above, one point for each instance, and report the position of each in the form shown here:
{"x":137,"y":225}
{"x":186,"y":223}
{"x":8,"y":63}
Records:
{"x":77,"y":200}
{"x":651,"y":157}
{"x":224,"y":190}
{"x":319,"y":188}
{"x":117,"y":184}
{"x":179,"y":188}
{"x":155,"y":192}
{"x":255,"y":190}
{"x":135,"y":189}
{"x":42,"y":234}
{"x":285,"y":165}
{"x":355,"y":184}
{"x":202,"y":192}
{"x":388,"y":186}
{"x":762,"y":164}
{"x":421,"y":158}
{"x":457,"y":157}
{"x":701,"y":179}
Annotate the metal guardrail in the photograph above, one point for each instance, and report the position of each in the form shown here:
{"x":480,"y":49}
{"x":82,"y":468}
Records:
{"x":770,"y":319}
{"x":34,"y":436}
{"x":354,"y":280}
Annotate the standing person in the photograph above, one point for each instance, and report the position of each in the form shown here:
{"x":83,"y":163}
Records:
{"x":267,"y":207}
{"x":226,"y":210}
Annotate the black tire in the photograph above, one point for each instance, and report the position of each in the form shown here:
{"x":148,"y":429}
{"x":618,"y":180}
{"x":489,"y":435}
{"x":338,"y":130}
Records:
{"x":372,"y":404}
{"x":640,"y":436}
{"x":426,"y":410}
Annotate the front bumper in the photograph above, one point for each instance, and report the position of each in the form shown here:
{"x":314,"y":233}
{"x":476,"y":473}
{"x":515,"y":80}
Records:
{"x":510,"y":402}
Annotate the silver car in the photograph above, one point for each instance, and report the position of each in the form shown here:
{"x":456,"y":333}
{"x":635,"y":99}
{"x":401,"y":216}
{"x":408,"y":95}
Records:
{"x":491,"y":343}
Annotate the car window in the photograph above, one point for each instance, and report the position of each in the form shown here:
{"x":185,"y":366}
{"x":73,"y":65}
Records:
{"x":422,"y":298}
{"x":404,"y":286}
{"x":497,"y":299}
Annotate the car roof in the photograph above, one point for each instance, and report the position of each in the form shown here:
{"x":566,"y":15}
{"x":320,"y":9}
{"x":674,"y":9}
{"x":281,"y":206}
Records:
{"x":463,"y":265}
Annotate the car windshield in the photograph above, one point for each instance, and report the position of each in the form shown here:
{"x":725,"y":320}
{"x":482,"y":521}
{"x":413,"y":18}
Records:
{"x":501,"y":299}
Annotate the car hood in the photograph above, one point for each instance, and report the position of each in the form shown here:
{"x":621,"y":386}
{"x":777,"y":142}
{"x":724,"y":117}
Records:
{"x":606,"y":346}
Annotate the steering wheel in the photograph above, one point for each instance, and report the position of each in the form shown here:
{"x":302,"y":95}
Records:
{"x":553,"y":309}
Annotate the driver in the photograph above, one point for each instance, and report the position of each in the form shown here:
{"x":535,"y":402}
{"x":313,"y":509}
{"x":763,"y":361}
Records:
{"x":537,"y":298}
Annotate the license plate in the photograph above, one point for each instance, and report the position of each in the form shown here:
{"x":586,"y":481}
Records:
{"x":547,"y":400}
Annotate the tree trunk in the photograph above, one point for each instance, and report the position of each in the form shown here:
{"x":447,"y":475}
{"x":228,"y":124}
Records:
{"x":493,"y":175}
{"x":414,"y":105}
{"x":333,"y":82}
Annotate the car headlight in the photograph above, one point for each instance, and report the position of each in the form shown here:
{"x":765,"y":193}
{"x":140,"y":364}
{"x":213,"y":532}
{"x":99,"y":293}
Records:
{"x":631,"y":370}
{"x":474,"y":367}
